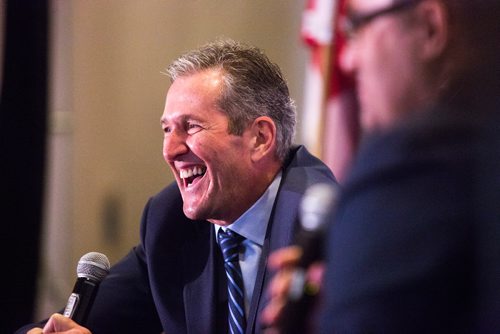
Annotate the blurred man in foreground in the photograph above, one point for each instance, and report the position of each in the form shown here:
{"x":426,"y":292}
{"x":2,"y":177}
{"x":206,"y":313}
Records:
{"x":414,"y":245}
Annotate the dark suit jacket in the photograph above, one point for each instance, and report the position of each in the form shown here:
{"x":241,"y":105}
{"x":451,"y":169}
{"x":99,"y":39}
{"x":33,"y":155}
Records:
{"x":174,"y":279}
{"x":415,"y":243}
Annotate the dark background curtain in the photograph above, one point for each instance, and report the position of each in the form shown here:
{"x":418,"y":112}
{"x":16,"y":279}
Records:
{"x":23,"y":122}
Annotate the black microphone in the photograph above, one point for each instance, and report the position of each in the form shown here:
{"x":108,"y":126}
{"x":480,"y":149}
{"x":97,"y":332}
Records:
{"x":91,"y":270}
{"x":315,"y":212}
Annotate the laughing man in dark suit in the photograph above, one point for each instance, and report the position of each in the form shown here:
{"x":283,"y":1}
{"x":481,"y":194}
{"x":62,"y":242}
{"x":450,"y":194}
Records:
{"x":228,"y":127}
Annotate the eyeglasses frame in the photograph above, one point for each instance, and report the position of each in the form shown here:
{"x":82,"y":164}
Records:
{"x":351,"y":23}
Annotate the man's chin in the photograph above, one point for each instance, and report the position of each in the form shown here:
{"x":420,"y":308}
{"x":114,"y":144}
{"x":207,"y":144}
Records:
{"x":194,"y":212}
{"x":190,"y":213}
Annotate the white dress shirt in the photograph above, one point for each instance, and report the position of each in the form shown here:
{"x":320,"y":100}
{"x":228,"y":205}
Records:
{"x":252,"y":225}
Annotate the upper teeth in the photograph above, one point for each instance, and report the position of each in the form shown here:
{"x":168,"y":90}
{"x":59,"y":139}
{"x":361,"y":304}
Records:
{"x":185,"y":173}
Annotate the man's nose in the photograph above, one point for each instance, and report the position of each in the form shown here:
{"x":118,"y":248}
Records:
{"x":174,"y":145}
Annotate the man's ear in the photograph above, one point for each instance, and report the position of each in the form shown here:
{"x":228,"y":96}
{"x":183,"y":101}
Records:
{"x":263,"y":132}
{"x":433,"y":20}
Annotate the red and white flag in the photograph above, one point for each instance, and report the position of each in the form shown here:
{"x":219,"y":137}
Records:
{"x":330,"y":127}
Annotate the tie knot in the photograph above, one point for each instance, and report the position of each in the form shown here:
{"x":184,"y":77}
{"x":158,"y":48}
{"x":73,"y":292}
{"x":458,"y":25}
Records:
{"x":229,"y":243}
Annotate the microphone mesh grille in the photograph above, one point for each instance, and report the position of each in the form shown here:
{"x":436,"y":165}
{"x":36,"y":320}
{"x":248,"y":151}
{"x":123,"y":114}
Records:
{"x":93,"y":265}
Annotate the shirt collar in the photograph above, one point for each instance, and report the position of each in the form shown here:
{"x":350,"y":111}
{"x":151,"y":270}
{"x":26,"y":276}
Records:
{"x":252,"y":224}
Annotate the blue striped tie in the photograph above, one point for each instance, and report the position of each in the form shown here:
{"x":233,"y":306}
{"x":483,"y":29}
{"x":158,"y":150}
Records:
{"x":229,"y":242}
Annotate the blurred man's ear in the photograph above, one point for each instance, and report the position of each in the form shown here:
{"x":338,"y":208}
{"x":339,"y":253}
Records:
{"x":433,"y":22}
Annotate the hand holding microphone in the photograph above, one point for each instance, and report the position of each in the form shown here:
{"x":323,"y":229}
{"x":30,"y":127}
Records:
{"x":293,"y":290}
{"x":91,"y":270}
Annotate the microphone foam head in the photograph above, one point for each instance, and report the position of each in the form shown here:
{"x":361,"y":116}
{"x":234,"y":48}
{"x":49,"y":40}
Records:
{"x":317,"y":203}
{"x":94,"y":266}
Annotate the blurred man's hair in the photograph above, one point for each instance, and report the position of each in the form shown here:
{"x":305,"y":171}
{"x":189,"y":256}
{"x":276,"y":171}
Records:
{"x":474,"y":45}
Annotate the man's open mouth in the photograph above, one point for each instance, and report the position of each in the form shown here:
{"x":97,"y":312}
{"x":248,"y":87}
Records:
{"x":190,"y":174}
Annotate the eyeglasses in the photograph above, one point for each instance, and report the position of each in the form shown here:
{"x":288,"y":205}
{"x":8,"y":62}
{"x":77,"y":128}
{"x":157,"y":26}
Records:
{"x":352,"y":22}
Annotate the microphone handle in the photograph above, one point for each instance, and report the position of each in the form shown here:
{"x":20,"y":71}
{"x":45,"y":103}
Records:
{"x":80,"y":301}
{"x":296,"y":313}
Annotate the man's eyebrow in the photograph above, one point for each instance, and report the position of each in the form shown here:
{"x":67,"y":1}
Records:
{"x":183,"y":118}
{"x":163,"y":120}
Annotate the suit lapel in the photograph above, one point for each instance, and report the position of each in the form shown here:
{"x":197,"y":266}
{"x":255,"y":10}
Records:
{"x":279,"y":234}
{"x":280,"y":230}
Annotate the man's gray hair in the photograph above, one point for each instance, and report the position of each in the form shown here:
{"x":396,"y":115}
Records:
{"x":253,"y":86}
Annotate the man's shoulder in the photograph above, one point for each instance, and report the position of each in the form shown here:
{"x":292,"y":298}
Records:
{"x":164,"y":220}
{"x":164,"y":209}
{"x":303,"y":169}
{"x":426,"y":142}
